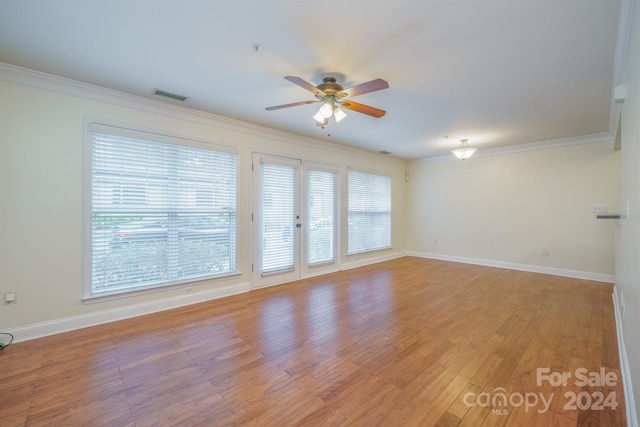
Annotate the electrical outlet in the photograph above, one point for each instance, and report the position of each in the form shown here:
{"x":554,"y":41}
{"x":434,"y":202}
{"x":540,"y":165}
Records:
{"x":11,"y":297}
{"x":188,"y":290}
{"x":544,"y":252}
{"x":599,"y":208}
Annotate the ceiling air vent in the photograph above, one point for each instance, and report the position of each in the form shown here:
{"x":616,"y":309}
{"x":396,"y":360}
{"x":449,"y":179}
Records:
{"x":170,"y":95}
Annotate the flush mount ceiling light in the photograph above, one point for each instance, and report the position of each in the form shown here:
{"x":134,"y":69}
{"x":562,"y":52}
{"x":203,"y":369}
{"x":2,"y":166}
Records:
{"x":334,"y":98}
{"x":464,"y":151}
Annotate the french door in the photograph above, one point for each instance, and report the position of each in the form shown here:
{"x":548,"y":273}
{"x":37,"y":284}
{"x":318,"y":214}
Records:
{"x":276,"y":219}
{"x":294,"y":218}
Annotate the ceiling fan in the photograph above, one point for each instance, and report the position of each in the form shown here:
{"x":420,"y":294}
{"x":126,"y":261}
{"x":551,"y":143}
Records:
{"x":333,"y":96}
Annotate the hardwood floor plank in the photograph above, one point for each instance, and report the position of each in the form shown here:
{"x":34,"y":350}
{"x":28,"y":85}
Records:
{"x":408,"y":342}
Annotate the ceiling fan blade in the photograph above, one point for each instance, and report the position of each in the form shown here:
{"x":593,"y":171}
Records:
{"x":305,"y":85}
{"x":371,"y":86}
{"x":295,"y":104}
{"x":364,"y":109}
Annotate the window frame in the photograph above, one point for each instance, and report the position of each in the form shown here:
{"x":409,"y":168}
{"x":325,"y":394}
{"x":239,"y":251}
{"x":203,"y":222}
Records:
{"x":91,"y":126}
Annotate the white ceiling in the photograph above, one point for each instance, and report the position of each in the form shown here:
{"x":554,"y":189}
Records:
{"x":498,"y":72}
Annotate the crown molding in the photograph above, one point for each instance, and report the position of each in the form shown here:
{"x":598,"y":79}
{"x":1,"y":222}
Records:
{"x":39,"y":80}
{"x":596,"y":138}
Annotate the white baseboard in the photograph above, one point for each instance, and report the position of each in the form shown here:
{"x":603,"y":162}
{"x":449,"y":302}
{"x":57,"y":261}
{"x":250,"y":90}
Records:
{"x":586,"y":275}
{"x":65,"y":324}
{"x":630,"y":405}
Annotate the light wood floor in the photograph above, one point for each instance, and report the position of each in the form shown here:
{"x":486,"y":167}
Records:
{"x":409,"y":342}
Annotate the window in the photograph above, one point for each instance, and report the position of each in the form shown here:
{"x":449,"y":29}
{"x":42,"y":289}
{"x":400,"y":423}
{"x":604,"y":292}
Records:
{"x":369,"y":215}
{"x":161,"y":211}
{"x":321,"y":215}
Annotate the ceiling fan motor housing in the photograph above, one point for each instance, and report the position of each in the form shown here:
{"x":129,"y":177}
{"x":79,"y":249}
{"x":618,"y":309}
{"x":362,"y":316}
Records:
{"x":329,"y":86}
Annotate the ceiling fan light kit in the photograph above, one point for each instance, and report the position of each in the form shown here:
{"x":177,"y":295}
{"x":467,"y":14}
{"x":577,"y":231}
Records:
{"x":464,"y":151}
{"x":333,"y":97}
{"x":326,"y":110}
{"x":339,"y":114}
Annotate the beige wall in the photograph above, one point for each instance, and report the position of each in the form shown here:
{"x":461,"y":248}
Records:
{"x":628,"y":236}
{"x":504,"y":209}
{"x":41,"y":183}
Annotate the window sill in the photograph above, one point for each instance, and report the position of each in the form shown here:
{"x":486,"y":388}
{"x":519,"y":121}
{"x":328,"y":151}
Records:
{"x":186,"y":285}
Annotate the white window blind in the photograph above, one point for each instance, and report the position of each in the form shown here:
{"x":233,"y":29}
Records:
{"x":278,"y":218}
{"x":321,"y":216}
{"x":369,"y":212}
{"x":161,"y":212}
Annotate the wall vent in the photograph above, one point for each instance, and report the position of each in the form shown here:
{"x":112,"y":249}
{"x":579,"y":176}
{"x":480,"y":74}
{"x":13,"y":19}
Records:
{"x":170,"y":95}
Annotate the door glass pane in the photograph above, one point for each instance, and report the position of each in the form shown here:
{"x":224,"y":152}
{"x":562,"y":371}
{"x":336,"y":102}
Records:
{"x":320,"y":244}
{"x":278,"y":218}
